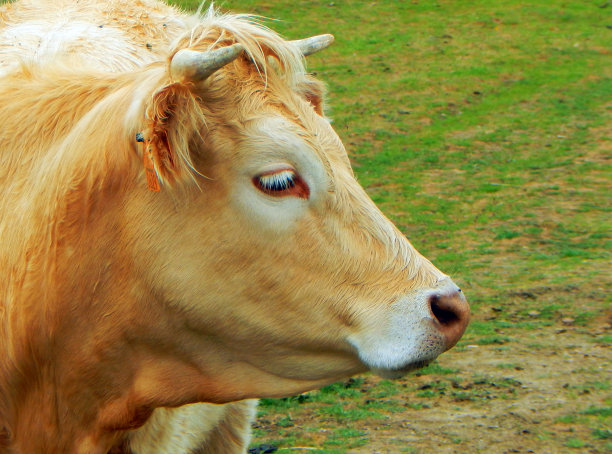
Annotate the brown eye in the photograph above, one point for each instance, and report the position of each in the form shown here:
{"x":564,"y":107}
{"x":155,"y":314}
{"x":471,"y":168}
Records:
{"x":282,"y":183}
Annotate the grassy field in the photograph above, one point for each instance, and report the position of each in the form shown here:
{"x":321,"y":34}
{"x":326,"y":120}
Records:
{"x":483,"y":129}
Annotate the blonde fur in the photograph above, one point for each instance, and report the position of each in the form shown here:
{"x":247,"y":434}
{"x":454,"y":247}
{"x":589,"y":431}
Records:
{"x":37,"y":57}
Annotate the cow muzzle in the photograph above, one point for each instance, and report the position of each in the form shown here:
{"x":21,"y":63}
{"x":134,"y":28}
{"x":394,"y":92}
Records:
{"x":413,"y":331}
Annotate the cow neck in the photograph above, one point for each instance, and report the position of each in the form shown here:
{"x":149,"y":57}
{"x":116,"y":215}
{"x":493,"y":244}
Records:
{"x":54,"y":405}
{"x":80,"y":403}
{"x":79,"y":385}
{"x":68,"y":361}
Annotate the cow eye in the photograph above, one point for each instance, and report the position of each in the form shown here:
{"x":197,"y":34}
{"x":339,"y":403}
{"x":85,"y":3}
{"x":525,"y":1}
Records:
{"x":282,"y":183}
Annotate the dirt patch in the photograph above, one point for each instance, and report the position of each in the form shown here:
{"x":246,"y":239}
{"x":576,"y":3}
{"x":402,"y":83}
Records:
{"x":552,"y":383}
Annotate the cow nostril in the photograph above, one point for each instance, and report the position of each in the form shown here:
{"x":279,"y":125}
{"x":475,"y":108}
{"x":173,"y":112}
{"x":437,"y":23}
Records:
{"x":445,"y":316}
{"x":451,"y":313}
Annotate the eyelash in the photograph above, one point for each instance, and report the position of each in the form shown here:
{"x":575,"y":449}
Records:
{"x":282,"y":183}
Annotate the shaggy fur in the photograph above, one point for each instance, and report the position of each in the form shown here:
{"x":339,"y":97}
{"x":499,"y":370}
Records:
{"x":131,"y":34}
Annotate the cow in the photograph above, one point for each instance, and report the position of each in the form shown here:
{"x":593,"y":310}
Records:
{"x":181,"y":233}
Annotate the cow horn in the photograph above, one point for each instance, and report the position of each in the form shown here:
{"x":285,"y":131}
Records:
{"x":309,"y":46}
{"x":196,"y":66}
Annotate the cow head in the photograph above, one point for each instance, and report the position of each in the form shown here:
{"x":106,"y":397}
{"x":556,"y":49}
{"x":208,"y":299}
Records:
{"x":260,"y":267}
{"x":279,"y":271}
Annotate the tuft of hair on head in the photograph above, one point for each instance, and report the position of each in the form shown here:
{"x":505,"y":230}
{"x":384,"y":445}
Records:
{"x":211,"y":28}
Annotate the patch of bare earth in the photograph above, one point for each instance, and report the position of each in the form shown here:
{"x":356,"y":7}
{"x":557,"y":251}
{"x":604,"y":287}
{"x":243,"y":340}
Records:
{"x":549,"y":383}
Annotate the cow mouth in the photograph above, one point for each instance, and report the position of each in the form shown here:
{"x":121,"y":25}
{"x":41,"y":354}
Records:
{"x":400,"y":372}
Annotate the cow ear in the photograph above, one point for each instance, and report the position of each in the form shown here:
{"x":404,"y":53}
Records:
{"x":314,"y":92}
{"x":172,"y":120}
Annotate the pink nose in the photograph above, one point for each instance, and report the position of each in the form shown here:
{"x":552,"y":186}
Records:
{"x":451,"y":314}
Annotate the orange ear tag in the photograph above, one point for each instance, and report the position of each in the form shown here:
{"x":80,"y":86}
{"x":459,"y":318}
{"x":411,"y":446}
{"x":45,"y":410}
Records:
{"x":147,"y":153}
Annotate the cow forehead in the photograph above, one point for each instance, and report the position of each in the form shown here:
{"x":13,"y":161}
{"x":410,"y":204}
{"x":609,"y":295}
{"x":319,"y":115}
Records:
{"x":284,"y":135}
{"x":275,"y":140}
